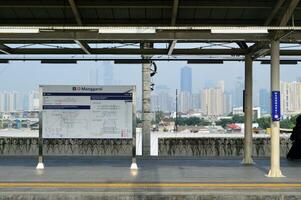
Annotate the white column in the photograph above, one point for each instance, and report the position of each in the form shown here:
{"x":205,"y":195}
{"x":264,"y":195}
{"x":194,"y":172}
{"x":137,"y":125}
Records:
{"x":275,"y":125}
{"x":146,"y":103}
{"x":248,"y":109}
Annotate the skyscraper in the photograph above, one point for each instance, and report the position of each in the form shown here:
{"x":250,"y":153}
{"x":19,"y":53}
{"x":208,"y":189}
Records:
{"x":93,"y":75}
{"x":238,"y":93}
{"x":108,"y":74}
{"x":186,"y":79}
{"x":161,"y":99}
{"x":264,"y":100}
{"x":212,"y":101}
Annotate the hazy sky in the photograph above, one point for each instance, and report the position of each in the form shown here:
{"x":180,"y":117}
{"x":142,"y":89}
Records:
{"x":25,"y":76}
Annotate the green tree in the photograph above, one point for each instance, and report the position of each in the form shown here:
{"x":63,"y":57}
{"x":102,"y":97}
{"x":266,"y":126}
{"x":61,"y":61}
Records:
{"x":238,"y":119}
{"x":192,"y":121}
{"x":224,"y":122}
{"x":264,"y":122}
{"x":159,"y":116}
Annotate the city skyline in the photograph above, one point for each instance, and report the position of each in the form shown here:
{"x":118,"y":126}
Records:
{"x":26,"y":76}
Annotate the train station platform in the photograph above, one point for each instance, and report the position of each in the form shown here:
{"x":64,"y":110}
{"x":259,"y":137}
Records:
{"x":157,"y":178}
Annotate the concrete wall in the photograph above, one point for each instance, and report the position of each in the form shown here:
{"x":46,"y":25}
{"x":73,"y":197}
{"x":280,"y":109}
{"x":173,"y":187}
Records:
{"x":166,"y":146}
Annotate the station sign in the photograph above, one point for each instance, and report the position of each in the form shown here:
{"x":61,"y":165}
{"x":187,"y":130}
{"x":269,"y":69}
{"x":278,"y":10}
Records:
{"x":275,"y":107}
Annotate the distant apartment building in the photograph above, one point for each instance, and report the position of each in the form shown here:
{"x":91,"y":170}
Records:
{"x":215,"y":101}
{"x":238,"y":92}
{"x":264,"y":100}
{"x":184,"y":101}
{"x":11,"y":101}
{"x":162,"y":100}
{"x":186,"y":79}
{"x":290,"y":97}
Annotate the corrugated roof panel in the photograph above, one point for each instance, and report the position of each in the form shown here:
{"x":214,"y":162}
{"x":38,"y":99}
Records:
{"x":234,"y":13}
{"x":121,"y":13}
{"x":23,"y":13}
{"x":40,"y":13}
{"x":202,"y":13}
{"x":153,"y":13}
{"x":137,"y":13}
{"x":59,"y":13}
{"x":186,"y":13}
{"x":166,"y":13}
{"x":7,"y":13}
{"x":218,"y":13}
{"x":253,"y":14}
{"x":104,"y":13}
{"x":88,"y":13}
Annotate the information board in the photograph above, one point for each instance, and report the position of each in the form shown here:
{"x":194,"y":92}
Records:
{"x":86,"y":111}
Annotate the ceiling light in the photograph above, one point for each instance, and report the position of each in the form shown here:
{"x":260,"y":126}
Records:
{"x":239,"y":30}
{"x":19,"y":30}
{"x":127,"y":30}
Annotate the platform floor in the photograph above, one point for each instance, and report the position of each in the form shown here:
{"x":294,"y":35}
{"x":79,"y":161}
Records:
{"x":155,"y":176}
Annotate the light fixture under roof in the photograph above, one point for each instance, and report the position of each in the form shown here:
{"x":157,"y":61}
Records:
{"x":18,"y":30}
{"x":238,"y":30}
{"x":126,"y":30}
{"x":282,"y":62}
{"x":205,"y":61}
{"x":58,"y":61}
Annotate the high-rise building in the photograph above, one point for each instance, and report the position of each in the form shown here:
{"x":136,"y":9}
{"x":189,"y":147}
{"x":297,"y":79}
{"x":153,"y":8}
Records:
{"x":264,"y":100}
{"x":184,"y":101}
{"x":213,"y":101}
{"x":290,"y":97}
{"x":11,"y":101}
{"x":161,"y":100}
{"x":227,"y":103}
{"x":1,"y":102}
{"x":108,"y":74}
{"x":93,"y":75}
{"x":196,"y":101}
{"x":238,"y":93}
{"x":33,"y":99}
{"x":186,"y":79}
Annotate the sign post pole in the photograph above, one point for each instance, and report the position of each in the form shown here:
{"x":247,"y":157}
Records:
{"x":275,"y":170}
{"x":134,"y":161}
{"x":40,"y":140}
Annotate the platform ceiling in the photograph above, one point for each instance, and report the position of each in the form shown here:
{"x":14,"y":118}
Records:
{"x":58,"y":21}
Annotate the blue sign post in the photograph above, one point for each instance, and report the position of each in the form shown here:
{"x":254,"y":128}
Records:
{"x":276,"y":114}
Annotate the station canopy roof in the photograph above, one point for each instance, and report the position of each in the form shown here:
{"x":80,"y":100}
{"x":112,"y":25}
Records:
{"x":150,"y":28}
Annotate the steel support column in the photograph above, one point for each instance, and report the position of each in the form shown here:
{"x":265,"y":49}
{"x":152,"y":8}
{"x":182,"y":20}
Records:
{"x":275,"y":125}
{"x":248,"y":109}
{"x":146,"y":103}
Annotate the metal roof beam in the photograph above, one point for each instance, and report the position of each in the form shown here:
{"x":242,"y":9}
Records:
{"x":289,"y":7}
{"x":274,"y":11}
{"x":159,"y":36}
{"x":171,"y":47}
{"x":242,"y":45}
{"x":5,"y":49}
{"x":175,"y":9}
{"x":84,"y":46}
{"x":123,"y":51}
{"x":288,"y":12}
{"x":129,"y":51}
{"x":75,"y":12}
